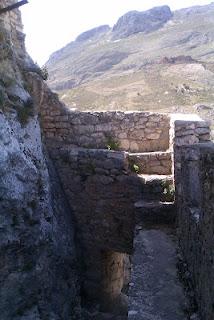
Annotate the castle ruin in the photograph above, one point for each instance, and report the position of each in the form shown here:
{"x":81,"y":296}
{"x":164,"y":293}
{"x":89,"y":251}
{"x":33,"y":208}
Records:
{"x":121,"y":180}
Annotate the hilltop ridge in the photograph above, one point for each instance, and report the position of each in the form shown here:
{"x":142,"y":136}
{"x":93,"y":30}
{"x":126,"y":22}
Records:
{"x":130,"y":65}
{"x":146,"y":21}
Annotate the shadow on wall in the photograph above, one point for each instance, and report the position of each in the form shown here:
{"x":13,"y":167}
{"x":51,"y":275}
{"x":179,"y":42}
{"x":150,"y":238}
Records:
{"x":116,"y":278}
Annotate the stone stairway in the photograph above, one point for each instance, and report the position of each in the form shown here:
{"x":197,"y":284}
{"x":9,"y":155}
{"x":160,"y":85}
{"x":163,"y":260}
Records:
{"x":157,"y":203}
{"x":149,"y":213}
{"x":156,"y":187}
{"x":154,"y":172}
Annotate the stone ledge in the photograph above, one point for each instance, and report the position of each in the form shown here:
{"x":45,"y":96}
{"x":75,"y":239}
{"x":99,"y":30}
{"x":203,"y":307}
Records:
{"x":159,"y":163}
{"x":149,"y":213}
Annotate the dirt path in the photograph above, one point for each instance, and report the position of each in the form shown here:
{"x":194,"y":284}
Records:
{"x":155,"y":292}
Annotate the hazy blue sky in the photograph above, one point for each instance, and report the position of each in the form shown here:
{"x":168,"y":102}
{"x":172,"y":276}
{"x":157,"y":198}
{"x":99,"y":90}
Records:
{"x":51,"y":24}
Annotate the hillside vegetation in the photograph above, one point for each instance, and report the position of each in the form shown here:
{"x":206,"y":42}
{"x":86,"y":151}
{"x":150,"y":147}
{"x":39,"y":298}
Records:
{"x":153,"y":60}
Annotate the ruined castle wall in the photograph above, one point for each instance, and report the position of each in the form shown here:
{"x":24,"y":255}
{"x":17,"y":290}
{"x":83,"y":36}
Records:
{"x":101,"y":194}
{"x":186,"y":132}
{"x":131,"y":131}
{"x":152,"y":163}
{"x":192,"y":168}
{"x":11,"y":21}
{"x":196,"y":221}
{"x":99,"y":186}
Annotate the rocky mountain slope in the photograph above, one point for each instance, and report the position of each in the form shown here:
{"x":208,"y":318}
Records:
{"x":153,"y":60}
{"x":38,"y":277}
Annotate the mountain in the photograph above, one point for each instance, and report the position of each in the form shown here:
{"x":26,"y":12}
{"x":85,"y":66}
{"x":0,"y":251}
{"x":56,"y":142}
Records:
{"x":95,"y":32}
{"x":134,"y":22}
{"x":152,"y":60}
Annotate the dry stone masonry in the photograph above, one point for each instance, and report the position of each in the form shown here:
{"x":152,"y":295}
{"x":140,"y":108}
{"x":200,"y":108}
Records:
{"x":11,"y":21}
{"x":109,"y":191}
{"x":101,"y":193}
{"x":186,"y":132}
{"x":76,"y":192}
{"x":156,"y":162}
{"x":196,"y":222}
{"x":134,"y":131}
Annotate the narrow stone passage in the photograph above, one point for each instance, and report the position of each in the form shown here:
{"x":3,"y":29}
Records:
{"x":155,"y":292}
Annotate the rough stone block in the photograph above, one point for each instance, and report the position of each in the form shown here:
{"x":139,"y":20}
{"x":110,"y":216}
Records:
{"x":153,"y":136}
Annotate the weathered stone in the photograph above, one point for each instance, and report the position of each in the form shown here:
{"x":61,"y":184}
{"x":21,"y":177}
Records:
{"x":153,"y":136}
{"x":55,"y":113}
{"x":116,"y":129}
{"x":125,"y":144}
{"x":60,"y":125}
{"x":17,"y":92}
{"x":195,"y":206}
{"x":134,"y":146}
{"x":187,"y":140}
{"x":204,"y":137}
{"x":151,"y":125}
{"x":48,"y":125}
{"x":122,"y":135}
{"x":38,"y":275}
{"x":61,"y":118}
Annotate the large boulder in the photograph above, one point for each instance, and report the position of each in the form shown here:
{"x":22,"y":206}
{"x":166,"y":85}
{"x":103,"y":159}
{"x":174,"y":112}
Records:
{"x":146,"y":21}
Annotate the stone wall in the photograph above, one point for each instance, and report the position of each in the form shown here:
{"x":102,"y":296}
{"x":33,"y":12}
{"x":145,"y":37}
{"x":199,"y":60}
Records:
{"x":101,"y":191}
{"x":115,"y":281}
{"x":196,"y":222}
{"x":152,"y":163}
{"x":43,"y":200}
{"x":99,"y":179}
{"x":186,"y":131}
{"x":98,"y":183}
{"x":12,"y":22}
{"x":129,"y":131}
{"x":11,"y":19}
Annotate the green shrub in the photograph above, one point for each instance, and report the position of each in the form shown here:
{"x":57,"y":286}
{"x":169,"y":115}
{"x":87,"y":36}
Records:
{"x":112,"y":144}
{"x":44,"y":73}
{"x":133,"y":166}
{"x":168,"y":189}
{"x":136,"y":168}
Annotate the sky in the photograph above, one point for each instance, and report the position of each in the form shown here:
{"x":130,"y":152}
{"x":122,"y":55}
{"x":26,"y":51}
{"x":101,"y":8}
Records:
{"x":50,"y":24}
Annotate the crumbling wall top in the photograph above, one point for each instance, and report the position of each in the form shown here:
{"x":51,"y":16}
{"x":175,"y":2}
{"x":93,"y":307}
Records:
{"x":11,"y":21}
